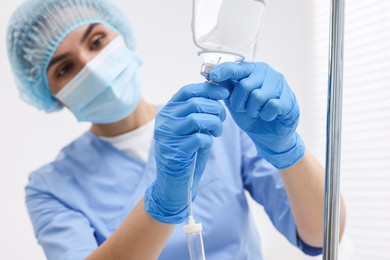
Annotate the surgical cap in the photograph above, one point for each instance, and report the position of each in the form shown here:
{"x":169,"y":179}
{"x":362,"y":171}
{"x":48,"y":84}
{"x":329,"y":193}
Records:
{"x":36,"y":30}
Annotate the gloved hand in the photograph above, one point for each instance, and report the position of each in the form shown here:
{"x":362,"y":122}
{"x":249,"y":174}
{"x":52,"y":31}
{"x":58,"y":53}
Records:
{"x":263,"y":105}
{"x":184,"y":126}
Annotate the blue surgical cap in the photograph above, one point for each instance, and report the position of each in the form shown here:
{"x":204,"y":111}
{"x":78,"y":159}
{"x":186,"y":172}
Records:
{"x":36,"y":30}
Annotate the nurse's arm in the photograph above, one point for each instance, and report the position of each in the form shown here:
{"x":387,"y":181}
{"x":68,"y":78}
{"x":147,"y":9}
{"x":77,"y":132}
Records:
{"x":304,"y":182}
{"x":138,"y":237}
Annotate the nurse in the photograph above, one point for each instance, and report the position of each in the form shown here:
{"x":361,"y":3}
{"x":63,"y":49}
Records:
{"x":119,"y":191}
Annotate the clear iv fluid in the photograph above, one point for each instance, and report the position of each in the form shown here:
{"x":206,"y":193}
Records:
{"x":228,"y":27}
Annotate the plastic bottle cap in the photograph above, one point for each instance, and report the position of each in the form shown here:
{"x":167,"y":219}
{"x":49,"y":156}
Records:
{"x":206,"y":69}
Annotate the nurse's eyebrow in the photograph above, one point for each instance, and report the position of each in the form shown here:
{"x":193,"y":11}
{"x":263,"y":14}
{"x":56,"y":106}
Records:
{"x":66,"y":55}
{"x":88,"y":32}
{"x":58,"y":59}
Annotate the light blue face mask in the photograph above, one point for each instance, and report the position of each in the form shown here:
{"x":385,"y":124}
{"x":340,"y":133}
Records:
{"x":108,"y":88}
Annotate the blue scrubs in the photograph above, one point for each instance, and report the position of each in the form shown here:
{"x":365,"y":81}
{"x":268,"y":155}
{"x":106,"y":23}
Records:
{"x":79,"y":200}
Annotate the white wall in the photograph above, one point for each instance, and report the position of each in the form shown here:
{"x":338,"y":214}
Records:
{"x":29,"y":138}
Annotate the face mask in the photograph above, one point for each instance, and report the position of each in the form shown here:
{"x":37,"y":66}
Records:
{"x":108,"y":88}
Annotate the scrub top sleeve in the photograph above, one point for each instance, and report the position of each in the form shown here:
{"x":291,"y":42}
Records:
{"x":265,"y":185}
{"x":62,"y":232}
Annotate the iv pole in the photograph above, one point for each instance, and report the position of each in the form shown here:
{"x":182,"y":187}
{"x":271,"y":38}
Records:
{"x":333,"y":138}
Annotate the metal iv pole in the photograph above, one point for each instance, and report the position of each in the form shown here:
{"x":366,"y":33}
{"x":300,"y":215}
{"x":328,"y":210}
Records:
{"x":333,"y":138}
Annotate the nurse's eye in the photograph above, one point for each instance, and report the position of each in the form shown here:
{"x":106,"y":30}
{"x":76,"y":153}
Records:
{"x":64,"y":70}
{"x":97,"y":43}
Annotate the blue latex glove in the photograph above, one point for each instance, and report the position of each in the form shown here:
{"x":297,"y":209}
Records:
{"x":184,"y":126}
{"x":263,"y":105}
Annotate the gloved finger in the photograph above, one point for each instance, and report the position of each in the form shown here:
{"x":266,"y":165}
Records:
{"x":205,"y":123}
{"x":271,"y":110}
{"x":206,"y":90}
{"x":232,"y":71}
{"x":259,"y":97}
{"x":203,"y":156}
{"x":200,"y":105}
{"x":198,"y":141}
{"x":229,"y":85}
{"x":245,"y":87}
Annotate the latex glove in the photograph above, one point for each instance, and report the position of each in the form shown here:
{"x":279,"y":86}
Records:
{"x":184,"y":126}
{"x":263,"y":105}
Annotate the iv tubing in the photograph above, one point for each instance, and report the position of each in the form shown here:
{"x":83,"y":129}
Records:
{"x":190,"y":184}
{"x":193,"y":230}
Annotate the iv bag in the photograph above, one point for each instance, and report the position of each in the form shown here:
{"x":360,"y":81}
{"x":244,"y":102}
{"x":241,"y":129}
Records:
{"x":227,"y":30}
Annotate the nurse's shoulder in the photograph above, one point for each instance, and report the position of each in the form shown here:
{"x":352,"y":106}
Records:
{"x":61,"y":172}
